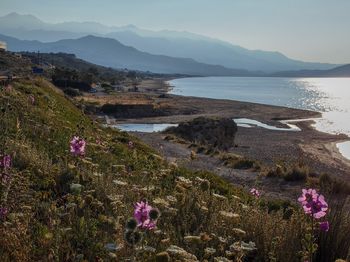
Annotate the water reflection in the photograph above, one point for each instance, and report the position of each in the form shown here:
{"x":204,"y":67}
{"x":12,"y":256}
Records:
{"x":331,"y":96}
{"x":146,"y":128}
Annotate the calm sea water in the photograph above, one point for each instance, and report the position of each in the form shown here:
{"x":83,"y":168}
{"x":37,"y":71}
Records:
{"x":331,"y":96}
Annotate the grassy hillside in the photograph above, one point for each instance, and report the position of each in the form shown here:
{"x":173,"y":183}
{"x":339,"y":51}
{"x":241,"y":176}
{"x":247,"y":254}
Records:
{"x":59,"y":207}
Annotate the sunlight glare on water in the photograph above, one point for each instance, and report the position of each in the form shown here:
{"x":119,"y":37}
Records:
{"x":331,"y":96}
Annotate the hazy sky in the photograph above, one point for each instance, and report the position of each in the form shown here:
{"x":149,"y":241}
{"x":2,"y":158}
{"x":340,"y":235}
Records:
{"x":310,"y":30}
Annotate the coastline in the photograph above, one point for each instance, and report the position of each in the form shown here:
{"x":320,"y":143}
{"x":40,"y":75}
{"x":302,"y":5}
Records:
{"x":318,"y":149}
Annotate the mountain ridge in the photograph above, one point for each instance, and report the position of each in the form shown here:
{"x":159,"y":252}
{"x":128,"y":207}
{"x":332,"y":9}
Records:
{"x":111,"y":53}
{"x":165,"y":42}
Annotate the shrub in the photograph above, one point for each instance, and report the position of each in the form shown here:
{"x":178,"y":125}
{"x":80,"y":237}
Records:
{"x":297,"y":172}
{"x":293,"y":172}
{"x":72,"y":92}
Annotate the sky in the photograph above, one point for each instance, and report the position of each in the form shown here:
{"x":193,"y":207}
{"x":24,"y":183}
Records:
{"x":309,"y":30}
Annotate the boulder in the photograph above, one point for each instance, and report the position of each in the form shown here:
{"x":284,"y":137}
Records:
{"x":218,"y":133}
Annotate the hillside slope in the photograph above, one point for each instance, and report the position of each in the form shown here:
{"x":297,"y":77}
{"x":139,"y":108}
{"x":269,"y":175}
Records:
{"x":58,"y":204}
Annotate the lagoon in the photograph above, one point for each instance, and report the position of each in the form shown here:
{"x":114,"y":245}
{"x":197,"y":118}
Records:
{"x":146,"y":128}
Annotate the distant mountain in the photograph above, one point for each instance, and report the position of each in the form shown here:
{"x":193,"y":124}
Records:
{"x":340,"y":71}
{"x":215,"y":52}
{"x":111,"y":53}
{"x":169,"y":43}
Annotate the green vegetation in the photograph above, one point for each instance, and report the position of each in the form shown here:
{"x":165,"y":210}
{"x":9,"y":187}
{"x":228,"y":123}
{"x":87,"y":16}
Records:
{"x":239,"y":162}
{"x":67,"y":208}
{"x":290,"y":172}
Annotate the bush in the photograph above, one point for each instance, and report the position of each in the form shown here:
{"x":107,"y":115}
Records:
{"x":239,"y":162}
{"x":293,"y":172}
{"x":297,"y":172}
{"x":333,"y":186}
{"x":72,"y":92}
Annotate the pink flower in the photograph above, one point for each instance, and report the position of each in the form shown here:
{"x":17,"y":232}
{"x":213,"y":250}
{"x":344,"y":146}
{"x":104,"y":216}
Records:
{"x":324,"y":226}
{"x":131,"y":145}
{"x":141,"y":214}
{"x":77,"y":146}
{"x":255,"y":192}
{"x":307,"y":196}
{"x":5,"y":162}
{"x":313,"y":203}
{"x":3,"y":212}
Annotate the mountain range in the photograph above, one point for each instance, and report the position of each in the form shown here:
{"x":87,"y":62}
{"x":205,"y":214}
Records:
{"x":111,"y":53}
{"x":160,"y":48}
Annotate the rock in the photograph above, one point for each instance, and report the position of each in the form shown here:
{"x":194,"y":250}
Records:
{"x":214,"y":132}
{"x":181,"y":254}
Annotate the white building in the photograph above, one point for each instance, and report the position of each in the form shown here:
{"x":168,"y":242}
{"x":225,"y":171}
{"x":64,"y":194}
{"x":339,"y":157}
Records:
{"x":3,"y":46}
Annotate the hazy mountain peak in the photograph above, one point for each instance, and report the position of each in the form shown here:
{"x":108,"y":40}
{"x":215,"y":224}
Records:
{"x":13,"y":20}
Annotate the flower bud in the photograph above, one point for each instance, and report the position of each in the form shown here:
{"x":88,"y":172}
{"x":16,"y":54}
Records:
{"x":132,"y":237}
{"x":131,"y":224}
{"x":154,"y":213}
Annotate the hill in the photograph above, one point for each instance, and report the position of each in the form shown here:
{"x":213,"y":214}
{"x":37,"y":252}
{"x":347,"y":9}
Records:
{"x":111,"y":53}
{"x":70,"y":198}
{"x":340,"y":71}
{"x":168,"y":43}
{"x":70,"y":61}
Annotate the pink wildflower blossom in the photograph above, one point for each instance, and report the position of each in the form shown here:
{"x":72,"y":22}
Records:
{"x":131,"y":145}
{"x":141,"y":214}
{"x":313,"y":203}
{"x":77,"y":146}
{"x":307,"y":196}
{"x":324,"y":226}
{"x":5,"y":162}
{"x":3,"y":212}
{"x":255,"y":192}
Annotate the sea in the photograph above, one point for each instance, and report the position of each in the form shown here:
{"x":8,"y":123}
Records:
{"x":330,"y":96}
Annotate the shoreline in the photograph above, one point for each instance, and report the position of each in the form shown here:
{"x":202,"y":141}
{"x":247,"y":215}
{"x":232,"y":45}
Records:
{"x":317,"y":148}
{"x":293,"y":121}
